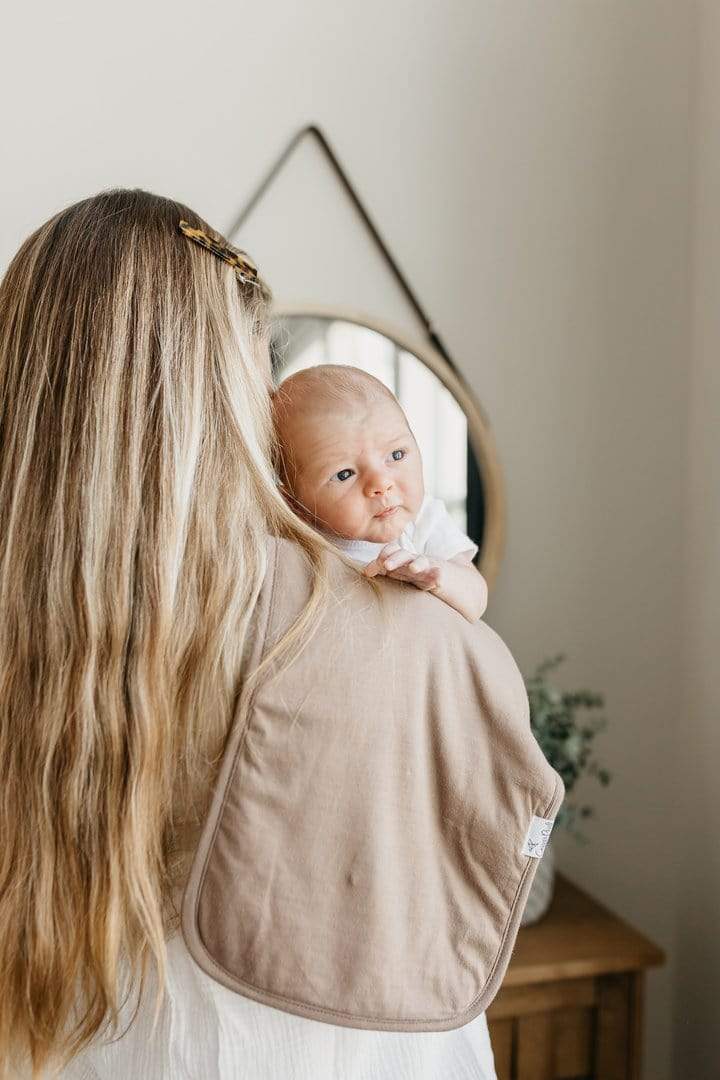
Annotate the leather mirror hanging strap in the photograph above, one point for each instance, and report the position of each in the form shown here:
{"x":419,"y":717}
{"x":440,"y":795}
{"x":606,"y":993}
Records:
{"x":314,"y":132}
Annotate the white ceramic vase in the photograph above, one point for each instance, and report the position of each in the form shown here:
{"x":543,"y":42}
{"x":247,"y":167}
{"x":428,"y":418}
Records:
{"x":542,"y":888}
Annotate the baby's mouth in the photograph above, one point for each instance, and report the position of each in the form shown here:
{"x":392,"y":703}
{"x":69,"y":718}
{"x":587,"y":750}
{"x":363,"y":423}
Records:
{"x":387,"y":512}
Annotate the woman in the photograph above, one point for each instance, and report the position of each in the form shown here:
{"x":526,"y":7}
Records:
{"x":136,"y":497}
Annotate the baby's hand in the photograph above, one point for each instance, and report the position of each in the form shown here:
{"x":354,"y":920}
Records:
{"x":394,"y":561}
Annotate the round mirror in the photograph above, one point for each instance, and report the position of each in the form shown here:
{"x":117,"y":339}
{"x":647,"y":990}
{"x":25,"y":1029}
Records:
{"x":459,"y":461}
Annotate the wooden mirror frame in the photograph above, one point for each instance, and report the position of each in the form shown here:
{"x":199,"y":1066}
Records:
{"x":479,"y":432}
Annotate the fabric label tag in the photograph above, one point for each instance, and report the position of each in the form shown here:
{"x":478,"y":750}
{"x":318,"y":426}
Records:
{"x":537,"y":836}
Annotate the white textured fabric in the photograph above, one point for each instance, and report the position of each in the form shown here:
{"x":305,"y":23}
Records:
{"x":432,"y":533}
{"x":207,"y":1032}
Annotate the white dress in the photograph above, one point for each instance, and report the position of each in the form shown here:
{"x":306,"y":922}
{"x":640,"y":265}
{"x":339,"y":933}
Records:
{"x":207,"y":1032}
{"x":433,"y":532}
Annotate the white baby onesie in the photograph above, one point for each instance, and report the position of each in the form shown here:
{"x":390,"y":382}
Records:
{"x":432,"y":533}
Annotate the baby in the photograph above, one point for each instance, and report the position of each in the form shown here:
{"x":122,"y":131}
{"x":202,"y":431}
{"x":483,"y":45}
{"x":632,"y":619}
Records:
{"x":349,"y":465}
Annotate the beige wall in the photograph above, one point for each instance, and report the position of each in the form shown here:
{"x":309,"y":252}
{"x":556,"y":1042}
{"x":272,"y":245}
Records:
{"x":528,"y":164}
{"x":697,"y":942}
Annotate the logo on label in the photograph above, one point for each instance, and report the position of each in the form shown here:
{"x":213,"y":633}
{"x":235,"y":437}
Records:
{"x":537,"y":837}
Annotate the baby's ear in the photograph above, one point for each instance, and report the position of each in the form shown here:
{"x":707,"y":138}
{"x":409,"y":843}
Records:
{"x":300,"y":509}
{"x":288,"y":496}
{"x":286,"y":492}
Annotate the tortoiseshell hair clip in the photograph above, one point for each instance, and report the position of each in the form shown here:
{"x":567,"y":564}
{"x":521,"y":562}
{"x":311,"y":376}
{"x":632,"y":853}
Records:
{"x":245,"y":269}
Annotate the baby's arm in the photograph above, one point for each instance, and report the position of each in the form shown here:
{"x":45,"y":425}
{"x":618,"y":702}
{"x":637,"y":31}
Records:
{"x":456,"y":581}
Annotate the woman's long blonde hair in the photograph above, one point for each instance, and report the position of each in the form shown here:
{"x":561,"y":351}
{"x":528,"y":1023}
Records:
{"x":136,"y":495}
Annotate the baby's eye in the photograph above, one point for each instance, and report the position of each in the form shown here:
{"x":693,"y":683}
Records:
{"x":401,"y":452}
{"x":343,"y":474}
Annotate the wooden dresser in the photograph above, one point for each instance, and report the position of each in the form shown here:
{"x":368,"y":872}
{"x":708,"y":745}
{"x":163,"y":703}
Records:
{"x":571,"y":1003}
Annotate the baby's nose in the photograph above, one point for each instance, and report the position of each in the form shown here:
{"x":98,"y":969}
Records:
{"x":379,"y":484}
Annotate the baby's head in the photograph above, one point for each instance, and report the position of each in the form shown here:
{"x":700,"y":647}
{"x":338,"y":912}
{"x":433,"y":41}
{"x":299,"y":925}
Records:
{"x":346,"y":453}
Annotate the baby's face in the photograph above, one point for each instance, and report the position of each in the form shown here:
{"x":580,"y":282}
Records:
{"x":359,"y":472}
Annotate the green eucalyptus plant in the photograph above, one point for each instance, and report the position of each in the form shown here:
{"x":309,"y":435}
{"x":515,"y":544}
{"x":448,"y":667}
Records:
{"x":565,"y":738}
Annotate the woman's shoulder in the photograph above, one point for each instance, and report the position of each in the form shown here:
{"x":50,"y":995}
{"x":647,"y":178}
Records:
{"x":426,"y":635}
{"x":412,"y":615}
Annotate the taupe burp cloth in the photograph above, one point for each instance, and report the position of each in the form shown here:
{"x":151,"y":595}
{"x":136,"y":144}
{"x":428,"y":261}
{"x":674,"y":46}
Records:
{"x":361,"y":863}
